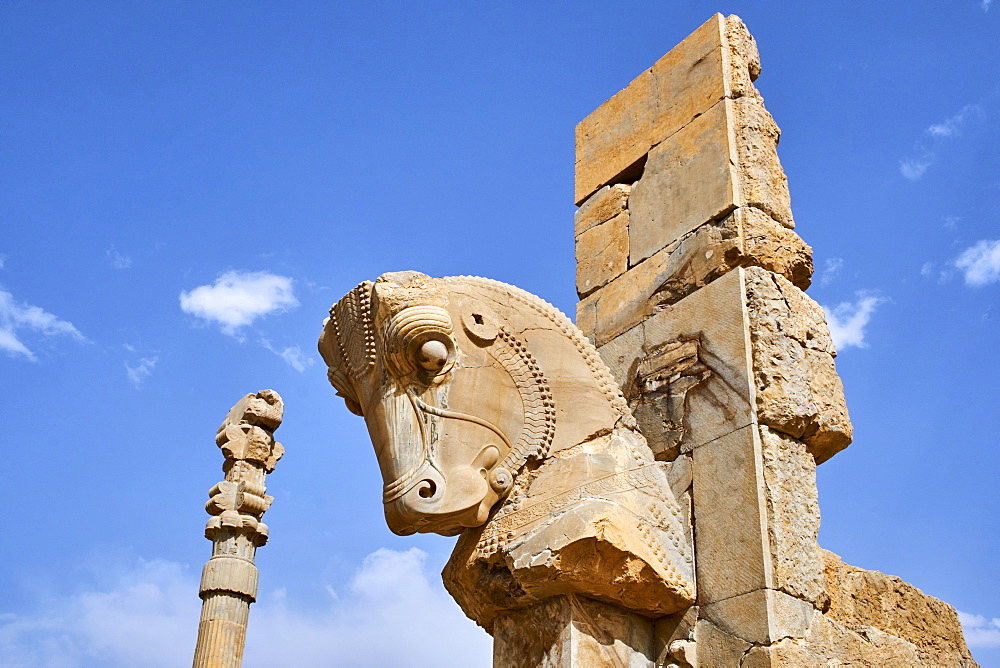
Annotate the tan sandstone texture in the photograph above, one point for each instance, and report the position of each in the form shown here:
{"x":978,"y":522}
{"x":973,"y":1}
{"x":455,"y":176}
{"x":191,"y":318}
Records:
{"x":729,"y":367}
{"x":494,"y":417}
{"x":229,"y":579}
{"x":640,"y":491}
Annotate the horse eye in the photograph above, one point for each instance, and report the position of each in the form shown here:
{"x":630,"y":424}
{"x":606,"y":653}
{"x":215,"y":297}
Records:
{"x":432,"y":355}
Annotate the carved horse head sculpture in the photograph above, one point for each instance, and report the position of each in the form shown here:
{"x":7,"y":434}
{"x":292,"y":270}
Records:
{"x":489,"y":409}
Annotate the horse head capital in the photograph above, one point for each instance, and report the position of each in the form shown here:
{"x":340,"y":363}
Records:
{"x":458,"y":381}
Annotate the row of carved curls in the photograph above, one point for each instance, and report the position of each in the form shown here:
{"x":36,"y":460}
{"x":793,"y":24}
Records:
{"x":605,"y":380}
{"x":536,"y":396}
{"x":356,"y":348}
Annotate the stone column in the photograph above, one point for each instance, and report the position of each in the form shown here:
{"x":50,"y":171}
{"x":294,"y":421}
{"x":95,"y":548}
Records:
{"x":570,"y":631}
{"x":229,"y":579}
{"x":691,"y":283}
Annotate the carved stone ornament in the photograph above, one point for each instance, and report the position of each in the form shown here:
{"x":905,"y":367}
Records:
{"x":493,"y":417}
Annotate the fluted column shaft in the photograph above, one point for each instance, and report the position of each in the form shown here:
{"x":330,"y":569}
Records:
{"x":229,"y":579}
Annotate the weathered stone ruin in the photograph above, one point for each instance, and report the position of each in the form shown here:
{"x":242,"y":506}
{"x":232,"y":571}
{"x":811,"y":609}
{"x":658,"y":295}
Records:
{"x":236,"y":505}
{"x":638,"y":489}
{"x":691,"y":283}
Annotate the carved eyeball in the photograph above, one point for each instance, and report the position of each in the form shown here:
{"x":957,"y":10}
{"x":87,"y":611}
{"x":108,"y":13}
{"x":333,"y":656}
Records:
{"x":432,"y":355}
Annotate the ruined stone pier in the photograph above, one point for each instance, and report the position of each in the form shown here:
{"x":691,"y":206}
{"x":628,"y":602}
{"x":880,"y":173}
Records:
{"x":691,"y":282}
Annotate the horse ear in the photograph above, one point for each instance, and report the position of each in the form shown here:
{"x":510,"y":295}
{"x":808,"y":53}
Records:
{"x":479,"y":321}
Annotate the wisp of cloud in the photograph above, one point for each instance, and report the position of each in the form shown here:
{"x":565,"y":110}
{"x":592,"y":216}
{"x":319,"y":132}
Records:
{"x":926,"y":146}
{"x":980,"y":263}
{"x":848,"y":320}
{"x":391,"y":615}
{"x":236,"y":299}
{"x":16,"y":316}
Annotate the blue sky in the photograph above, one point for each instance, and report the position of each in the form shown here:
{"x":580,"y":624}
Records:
{"x":186,"y":187}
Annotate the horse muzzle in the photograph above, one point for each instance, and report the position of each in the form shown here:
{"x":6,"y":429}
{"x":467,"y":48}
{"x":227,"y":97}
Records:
{"x":443,"y":503}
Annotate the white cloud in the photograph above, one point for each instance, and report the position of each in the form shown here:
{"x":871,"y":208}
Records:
{"x":830,"y":270}
{"x":147,"y":618}
{"x":930,"y":270}
{"x":140,"y":371}
{"x":391,"y":590}
{"x":292,"y":355}
{"x":18,"y":317}
{"x":118,"y":261}
{"x":238,"y":298}
{"x":980,"y":632}
{"x":980,"y":263}
{"x":848,"y":320}
{"x":914,"y":168}
{"x":985,"y":5}
{"x":392,"y":615}
{"x":951,"y":127}
{"x":925,"y":148}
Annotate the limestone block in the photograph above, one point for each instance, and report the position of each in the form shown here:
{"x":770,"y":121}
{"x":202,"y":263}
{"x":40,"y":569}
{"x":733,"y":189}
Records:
{"x":828,"y":643}
{"x":766,"y":243}
{"x":761,"y":617}
{"x":673,"y":635}
{"x":798,"y":390}
{"x":743,"y":64}
{"x":664,"y":379}
{"x":860,"y":597}
{"x":697,"y":259}
{"x":715,"y":647}
{"x":763,"y":183}
{"x":793,"y":517}
{"x":688,"y":179}
{"x":712,"y":320}
{"x":717,"y":60}
{"x":624,"y":302}
{"x":746,"y":237}
{"x":601,"y":254}
{"x":572,"y":631}
{"x":603,"y":205}
{"x":725,"y":158}
{"x":586,"y":318}
{"x":679,"y":474}
{"x":729,"y":518}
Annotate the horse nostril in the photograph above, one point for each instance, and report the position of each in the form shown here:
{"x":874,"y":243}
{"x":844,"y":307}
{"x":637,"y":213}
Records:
{"x":427,"y":489}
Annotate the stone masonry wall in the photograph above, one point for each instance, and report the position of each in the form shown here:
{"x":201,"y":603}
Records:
{"x":691,"y":280}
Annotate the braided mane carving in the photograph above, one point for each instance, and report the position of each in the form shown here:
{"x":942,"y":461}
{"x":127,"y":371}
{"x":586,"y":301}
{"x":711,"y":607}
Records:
{"x":536,"y":397}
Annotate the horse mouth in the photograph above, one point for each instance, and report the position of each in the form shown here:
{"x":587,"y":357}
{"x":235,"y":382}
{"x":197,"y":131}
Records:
{"x":404,"y":520}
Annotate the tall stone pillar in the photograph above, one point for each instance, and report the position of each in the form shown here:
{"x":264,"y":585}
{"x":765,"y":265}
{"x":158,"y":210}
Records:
{"x":691,"y":282}
{"x":229,"y":579}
